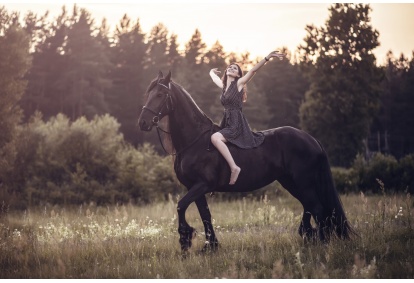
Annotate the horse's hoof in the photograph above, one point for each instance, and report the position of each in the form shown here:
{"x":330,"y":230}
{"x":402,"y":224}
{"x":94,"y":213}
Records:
{"x":186,"y":236}
{"x":209,"y":247}
{"x":184,"y":253}
{"x":309,"y":236}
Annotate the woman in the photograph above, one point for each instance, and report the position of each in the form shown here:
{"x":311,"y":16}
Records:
{"x":235,"y":128}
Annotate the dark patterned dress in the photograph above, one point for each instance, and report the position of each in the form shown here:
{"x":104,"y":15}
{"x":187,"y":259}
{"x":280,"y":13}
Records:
{"x":235,"y":127}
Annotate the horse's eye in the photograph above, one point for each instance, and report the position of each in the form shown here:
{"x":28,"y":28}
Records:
{"x":159,"y":94}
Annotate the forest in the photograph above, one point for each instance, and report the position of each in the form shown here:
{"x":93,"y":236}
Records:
{"x":71,"y":92}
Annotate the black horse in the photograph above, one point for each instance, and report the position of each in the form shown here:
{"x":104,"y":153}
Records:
{"x":292,"y":157}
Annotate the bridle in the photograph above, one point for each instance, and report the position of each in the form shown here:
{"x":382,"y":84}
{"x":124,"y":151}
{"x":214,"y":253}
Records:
{"x":168,"y":103}
{"x":156,"y":119}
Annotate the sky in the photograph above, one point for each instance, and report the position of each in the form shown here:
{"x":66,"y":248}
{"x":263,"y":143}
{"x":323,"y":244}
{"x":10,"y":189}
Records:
{"x":240,"y":26}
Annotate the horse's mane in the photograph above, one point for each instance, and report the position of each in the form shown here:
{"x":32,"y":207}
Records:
{"x":184,"y":92}
{"x":165,"y":122}
{"x":196,"y":109}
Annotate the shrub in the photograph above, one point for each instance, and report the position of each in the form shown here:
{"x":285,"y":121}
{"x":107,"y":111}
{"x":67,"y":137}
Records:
{"x":382,"y":167}
{"x":396,"y":175}
{"x":63,"y":162}
{"x":344,"y":179}
{"x":405,"y":173}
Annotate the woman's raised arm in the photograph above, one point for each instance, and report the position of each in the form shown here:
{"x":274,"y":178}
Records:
{"x":216,"y":79}
{"x":249,"y":75}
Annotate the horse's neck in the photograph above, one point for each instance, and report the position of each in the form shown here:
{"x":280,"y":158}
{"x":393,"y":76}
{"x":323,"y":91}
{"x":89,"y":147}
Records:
{"x":187,"y":122}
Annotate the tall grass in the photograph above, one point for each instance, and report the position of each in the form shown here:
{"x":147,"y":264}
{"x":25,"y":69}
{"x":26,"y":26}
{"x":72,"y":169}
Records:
{"x":258,"y":239}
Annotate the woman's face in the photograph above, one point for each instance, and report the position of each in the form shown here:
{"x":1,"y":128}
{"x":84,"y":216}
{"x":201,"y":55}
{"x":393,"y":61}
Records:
{"x":233,"y":71}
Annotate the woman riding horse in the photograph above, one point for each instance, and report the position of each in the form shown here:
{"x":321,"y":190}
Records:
{"x":235,"y":128}
{"x":291,"y":156}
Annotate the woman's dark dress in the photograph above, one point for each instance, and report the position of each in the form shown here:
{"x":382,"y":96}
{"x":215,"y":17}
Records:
{"x":235,"y":127}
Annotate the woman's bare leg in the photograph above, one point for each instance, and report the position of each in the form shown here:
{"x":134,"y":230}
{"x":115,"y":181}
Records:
{"x":219,"y":142}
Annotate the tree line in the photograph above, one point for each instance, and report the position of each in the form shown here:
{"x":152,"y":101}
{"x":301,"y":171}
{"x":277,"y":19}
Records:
{"x":331,"y":86}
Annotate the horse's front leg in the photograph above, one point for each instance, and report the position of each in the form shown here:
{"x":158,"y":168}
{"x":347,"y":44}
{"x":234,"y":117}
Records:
{"x":211,"y":243}
{"x":184,"y":229}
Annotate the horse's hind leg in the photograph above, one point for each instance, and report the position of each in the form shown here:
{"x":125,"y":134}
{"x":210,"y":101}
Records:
{"x":302,"y":189}
{"x":306,"y":231}
{"x":318,"y":215}
{"x":298,"y":190}
{"x":211,"y":240}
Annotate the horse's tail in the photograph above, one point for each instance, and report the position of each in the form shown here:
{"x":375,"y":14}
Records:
{"x":334,"y":213}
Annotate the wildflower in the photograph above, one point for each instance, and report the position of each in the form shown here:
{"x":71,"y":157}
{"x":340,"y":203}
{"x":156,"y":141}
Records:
{"x":400,"y":212}
{"x":16,"y":233}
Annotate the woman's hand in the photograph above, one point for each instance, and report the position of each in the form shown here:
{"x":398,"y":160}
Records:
{"x":249,"y":75}
{"x":276,"y":54}
{"x":215,"y":71}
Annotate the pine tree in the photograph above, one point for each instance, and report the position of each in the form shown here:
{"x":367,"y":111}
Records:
{"x":126,"y":96}
{"x":43,"y":93}
{"x":194,"y":49}
{"x":393,"y":130}
{"x":174,"y":57}
{"x":70,"y":67}
{"x":345,"y":82}
{"x":84,"y":80}
{"x":157,"y":51}
{"x":15,"y":61}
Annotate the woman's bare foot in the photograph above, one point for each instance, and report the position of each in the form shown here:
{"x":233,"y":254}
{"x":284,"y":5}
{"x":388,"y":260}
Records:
{"x":234,"y":174}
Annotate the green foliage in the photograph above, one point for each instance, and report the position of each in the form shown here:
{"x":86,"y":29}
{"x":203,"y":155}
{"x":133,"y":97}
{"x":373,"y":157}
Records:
{"x":394,"y":121}
{"x":194,"y":49}
{"x":405,"y":172}
{"x":128,"y":78}
{"x":83,"y":79}
{"x":379,"y":172}
{"x":157,"y":50}
{"x":63,"y":162}
{"x":379,"y":167}
{"x":345,"y":179}
{"x":15,"y":61}
{"x":70,"y":69}
{"x":344,"y":90}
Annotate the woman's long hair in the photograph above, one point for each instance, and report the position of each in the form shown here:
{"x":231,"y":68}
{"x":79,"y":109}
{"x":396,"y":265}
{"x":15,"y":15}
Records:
{"x":224,"y":80}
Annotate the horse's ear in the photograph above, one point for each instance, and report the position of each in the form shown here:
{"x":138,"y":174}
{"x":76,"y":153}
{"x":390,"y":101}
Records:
{"x":168,"y":77}
{"x":160,"y":75}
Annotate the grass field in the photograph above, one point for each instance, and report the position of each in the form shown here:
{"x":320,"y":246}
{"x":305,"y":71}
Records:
{"x":258,"y":239}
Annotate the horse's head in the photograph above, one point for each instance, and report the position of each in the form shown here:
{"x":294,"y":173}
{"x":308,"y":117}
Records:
{"x":159,"y":102}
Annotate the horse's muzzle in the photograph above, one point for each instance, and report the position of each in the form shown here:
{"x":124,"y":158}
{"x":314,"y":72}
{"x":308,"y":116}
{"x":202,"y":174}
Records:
{"x":144,"y":125}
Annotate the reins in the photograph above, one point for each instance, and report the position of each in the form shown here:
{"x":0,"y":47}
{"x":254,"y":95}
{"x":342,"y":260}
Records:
{"x":183,"y":149}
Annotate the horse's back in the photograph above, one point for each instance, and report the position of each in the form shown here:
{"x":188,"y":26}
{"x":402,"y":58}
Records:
{"x":295,"y":145}
{"x":293,"y":139}
{"x":284,"y":150}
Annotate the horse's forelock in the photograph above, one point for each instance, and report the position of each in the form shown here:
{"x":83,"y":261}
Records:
{"x":154,"y":83}
{"x":150,"y":87}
